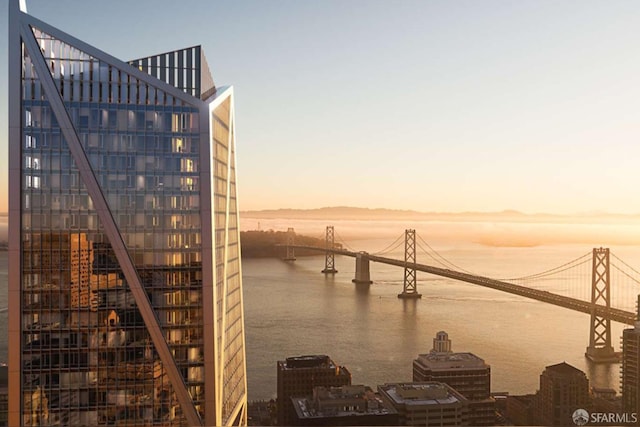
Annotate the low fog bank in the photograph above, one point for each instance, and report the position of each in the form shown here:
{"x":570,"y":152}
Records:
{"x":497,"y":233}
{"x":490,"y":233}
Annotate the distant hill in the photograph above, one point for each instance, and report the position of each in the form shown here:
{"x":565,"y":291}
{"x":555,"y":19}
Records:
{"x":345,"y":212}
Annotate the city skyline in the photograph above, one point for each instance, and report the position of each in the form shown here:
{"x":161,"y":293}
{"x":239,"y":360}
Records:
{"x":528,"y":106}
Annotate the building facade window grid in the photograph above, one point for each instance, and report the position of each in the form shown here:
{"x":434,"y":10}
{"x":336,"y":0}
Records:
{"x":86,"y":354}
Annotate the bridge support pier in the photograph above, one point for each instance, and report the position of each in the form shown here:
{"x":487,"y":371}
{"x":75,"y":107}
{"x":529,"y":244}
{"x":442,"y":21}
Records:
{"x":362,"y":269}
{"x":329,"y":258}
{"x":291,"y":240}
{"x":600,"y":349}
{"x":410,"y":289}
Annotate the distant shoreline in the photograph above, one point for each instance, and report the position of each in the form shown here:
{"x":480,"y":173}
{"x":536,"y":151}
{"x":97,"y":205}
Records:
{"x":271,"y":244}
{"x":364,"y":214}
{"x":258,"y":244}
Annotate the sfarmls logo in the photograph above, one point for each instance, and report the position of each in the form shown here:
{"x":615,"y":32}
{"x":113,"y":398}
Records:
{"x":582,"y":417}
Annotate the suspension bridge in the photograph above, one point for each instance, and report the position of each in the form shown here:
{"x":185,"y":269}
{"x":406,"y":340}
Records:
{"x":603,"y":302}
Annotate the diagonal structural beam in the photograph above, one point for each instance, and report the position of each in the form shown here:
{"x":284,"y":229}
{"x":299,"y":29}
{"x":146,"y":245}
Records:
{"x":110,"y":228}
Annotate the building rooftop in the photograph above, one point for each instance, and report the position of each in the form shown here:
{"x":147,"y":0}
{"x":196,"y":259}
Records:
{"x":352,"y":400}
{"x":427,"y":393}
{"x":304,"y":409}
{"x":448,"y":361}
{"x":186,"y":69}
{"x":563,"y":369}
{"x":308,"y":361}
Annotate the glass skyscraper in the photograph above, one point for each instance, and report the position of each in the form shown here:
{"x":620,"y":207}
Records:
{"x":125,"y":287}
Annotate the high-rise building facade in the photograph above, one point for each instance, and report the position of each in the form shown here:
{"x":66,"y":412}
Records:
{"x":4,"y":396}
{"x":125,"y":287}
{"x":563,"y":390}
{"x":630,"y":367}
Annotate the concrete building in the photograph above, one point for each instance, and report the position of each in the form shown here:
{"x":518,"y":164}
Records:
{"x":348,"y":405}
{"x":297,"y":376}
{"x":426,"y":403}
{"x":563,"y":389}
{"x":630,"y":367}
{"x":125,"y":290}
{"x":467,"y":373}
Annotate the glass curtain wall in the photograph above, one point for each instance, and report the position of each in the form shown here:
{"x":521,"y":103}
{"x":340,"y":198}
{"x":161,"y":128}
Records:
{"x":87,"y":355}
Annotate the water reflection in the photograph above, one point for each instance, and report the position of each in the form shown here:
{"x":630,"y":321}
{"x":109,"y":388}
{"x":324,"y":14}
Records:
{"x":362,"y":289}
{"x":601,"y":375}
{"x":409,"y":306}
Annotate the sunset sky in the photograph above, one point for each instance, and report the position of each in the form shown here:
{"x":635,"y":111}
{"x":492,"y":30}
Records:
{"x":424,"y":105}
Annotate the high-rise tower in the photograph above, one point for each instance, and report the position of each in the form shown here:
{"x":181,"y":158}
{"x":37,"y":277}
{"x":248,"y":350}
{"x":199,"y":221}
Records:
{"x":630,"y":369}
{"x":125,"y":287}
{"x":563,"y":390}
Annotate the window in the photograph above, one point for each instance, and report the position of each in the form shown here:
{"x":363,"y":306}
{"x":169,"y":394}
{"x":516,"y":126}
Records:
{"x":30,"y":142}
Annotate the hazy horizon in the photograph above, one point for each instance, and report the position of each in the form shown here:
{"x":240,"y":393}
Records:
{"x":443,"y":212}
{"x":392,"y":211}
{"x":497,"y":231}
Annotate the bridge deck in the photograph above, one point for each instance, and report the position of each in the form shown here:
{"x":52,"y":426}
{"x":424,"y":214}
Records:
{"x":614,"y":314}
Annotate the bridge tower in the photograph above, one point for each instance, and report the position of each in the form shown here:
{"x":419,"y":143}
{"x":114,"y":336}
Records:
{"x":363,"y":277}
{"x":600,"y":349}
{"x":291,"y":241}
{"x":410,"y":289}
{"x":329,"y":258}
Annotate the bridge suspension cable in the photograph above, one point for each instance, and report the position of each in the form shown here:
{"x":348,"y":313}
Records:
{"x":624,"y":272}
{"x":559,"y":269}
{"x":344,"y":243}
{"x":625,"y":281}
{"x":390,"y":248}
{"x":442,"y":260}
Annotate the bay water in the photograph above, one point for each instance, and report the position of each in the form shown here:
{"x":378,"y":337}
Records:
{"x":291,"y":308}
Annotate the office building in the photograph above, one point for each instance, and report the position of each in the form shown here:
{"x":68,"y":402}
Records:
{"x":630,"y":367}
{"x":349,"y":405}
{"x":563,"y":389}
{"x":467,"y":373}
{"x":297,"y":376}
{"x":125,"y":289}
{"x":428,"y":403}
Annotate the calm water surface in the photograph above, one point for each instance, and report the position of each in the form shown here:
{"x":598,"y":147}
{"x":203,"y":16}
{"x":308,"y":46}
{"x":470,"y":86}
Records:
{"x":293,"y":309}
